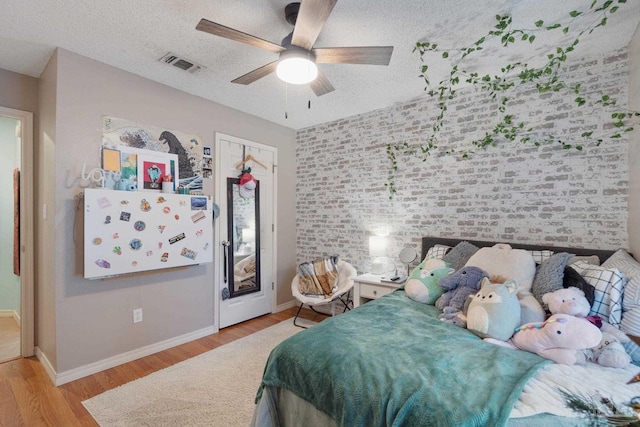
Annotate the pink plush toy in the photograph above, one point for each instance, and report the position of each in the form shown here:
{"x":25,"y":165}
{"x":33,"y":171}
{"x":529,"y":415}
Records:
{"x":561,"y":338}
{"x":609,"y":351}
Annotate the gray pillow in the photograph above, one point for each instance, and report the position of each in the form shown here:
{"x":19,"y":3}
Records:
{"x":460,"y":254}
{"x":549,"y":275}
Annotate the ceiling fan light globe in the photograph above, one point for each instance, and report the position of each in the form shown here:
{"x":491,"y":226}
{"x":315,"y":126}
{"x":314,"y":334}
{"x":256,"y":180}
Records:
{"x":297,"y":70}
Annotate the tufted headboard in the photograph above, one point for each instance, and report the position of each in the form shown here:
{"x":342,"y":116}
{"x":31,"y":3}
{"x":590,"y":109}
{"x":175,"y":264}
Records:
{"x":428,"y":242}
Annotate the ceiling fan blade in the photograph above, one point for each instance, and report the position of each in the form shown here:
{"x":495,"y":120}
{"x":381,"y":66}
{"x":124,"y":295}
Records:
{"x":321,"y":85}
{"x":376,"y":55}
{"x":311,"y":18}
{"x":235,"y":35}
{"x":256,"y":74}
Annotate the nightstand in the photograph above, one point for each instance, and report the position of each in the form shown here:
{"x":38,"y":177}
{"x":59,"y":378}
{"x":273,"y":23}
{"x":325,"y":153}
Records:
{"x":368,"y":287}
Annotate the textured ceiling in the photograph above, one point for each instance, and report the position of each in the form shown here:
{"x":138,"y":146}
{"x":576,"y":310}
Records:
{"x":133,"y":35}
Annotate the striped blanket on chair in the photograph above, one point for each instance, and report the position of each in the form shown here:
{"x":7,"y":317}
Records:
{"x":319,"y":277}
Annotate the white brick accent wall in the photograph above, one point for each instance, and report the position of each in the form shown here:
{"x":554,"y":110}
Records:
{"x":513,"y":192}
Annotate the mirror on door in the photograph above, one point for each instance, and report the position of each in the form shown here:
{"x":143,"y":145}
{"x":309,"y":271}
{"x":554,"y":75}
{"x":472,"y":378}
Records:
{"x":244,"y":238}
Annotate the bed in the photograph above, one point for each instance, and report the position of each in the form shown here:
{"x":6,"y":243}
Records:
{"x":393,"y":362}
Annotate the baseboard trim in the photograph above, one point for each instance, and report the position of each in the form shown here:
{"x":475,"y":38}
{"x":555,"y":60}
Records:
{"x":101,"y":365}
{"x":286,"y":305}
{"x":11,"y":313}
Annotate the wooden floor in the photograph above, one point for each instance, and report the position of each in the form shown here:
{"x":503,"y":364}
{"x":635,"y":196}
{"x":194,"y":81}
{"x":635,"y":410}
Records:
{"x":9,"y":339}
{"x":28,"y":398}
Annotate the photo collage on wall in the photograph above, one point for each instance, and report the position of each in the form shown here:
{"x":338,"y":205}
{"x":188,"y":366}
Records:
{"x":141,"y":156}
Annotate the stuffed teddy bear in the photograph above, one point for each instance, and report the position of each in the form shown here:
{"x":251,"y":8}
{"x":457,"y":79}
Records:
{"x":501,"y":260}
{"x":561,"y":338}
{"x":422,"y":284}
{"x":458,"y":287}
{"x":494,"y":311}
{"x":610,"y":351}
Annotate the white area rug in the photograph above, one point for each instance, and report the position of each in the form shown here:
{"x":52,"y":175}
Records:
{"x":216,"y":388}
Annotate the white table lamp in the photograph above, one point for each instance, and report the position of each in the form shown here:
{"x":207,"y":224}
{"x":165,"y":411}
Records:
{"x":378,"y":250}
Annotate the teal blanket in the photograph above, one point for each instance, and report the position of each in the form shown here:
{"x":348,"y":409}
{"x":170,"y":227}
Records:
{"x":391,"y":362}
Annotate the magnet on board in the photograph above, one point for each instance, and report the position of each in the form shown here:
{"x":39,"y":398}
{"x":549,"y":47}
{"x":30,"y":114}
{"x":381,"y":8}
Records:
{"x":145,"y":206}
{"x":135,"y":244}
{"x":103,"y":263}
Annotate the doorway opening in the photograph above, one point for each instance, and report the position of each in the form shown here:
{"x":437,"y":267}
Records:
{"x":16,"y":234}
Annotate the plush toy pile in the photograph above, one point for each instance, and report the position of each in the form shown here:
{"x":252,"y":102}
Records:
{"x":492,"y":293}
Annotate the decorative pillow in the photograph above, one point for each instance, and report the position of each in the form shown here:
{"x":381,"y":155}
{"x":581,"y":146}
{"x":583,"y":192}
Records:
{"x":573,"y":279}
{"x":624,"y":262}
{"x":591,"y":259}
{"x":609,"y":286}
{"x":437,"y":251}
{"x":630,"y":322}
{"x":549,"y":275}
{"x":460,"y":254}
{"x":502,"y":260}
{"x":633,"y":350}
{"x":540,"y":256}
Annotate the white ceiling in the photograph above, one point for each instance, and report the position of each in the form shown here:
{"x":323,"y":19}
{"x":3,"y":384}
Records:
{"x":133,"y":34}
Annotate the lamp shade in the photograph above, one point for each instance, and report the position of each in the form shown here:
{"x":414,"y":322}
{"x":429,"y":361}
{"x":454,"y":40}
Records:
{"x":377,"y":246}
{"x":296,"y":66}
{"x":248,"y":235}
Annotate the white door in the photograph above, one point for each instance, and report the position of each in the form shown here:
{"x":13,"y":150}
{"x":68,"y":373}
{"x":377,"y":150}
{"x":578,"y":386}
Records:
{"x":244,"y":290}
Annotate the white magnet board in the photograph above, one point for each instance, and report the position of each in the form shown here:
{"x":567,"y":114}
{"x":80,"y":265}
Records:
{"x":133,"y":231}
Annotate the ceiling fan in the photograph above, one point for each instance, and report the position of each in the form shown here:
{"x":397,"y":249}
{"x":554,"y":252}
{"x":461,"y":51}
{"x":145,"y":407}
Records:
{"x":298,"y":57}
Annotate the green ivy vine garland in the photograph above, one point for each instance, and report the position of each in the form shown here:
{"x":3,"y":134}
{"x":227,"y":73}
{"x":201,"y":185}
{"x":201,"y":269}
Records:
{"x":544,"y":78}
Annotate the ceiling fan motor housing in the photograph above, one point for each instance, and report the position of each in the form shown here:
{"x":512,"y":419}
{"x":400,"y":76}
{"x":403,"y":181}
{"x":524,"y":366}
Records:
{"x":291,"y":12}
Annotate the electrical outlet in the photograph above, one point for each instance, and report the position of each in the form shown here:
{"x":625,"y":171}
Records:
{"x":137,"y":315}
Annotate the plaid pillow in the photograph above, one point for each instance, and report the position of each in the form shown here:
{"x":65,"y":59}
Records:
{"x":631,"y":297}
{"x":437,"y":251}
{"x":609,"y":287}
{"x":540,"y":256}
{"x":631,"y":269}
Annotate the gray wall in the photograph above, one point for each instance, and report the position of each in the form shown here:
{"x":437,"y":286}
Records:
{"x":93,"y":318}
{"x":18,"y":91}
{"x":513,"y":192}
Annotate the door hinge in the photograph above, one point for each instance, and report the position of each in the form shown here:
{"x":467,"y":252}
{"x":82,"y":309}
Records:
{"x":273,"y":168}
{"x":273,"y":228}
{"x":272,"y":286}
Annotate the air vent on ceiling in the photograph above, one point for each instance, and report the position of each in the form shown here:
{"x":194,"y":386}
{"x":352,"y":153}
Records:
{"x":183,"y":64}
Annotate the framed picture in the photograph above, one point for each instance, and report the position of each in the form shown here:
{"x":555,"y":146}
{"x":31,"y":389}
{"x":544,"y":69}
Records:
{"x":129,"y":163}
{"x":153,"y":166}
{"x":111,"y":160}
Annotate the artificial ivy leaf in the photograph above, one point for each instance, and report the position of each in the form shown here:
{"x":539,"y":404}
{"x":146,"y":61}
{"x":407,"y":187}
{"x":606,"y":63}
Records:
{"x":445,"y":54}
{"x":575,"y":13}
{"x":540,"y":23}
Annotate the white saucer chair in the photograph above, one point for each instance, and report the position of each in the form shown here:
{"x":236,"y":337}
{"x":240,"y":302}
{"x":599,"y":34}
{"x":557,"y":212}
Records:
{"x":346,"y":274}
